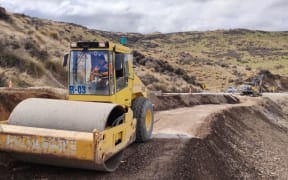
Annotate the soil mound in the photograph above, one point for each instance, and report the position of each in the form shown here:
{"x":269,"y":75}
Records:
{"x":171,"y":101}
{"x":270,"y":81}
{"x":248,"y":142}
{"x":9,"y":98}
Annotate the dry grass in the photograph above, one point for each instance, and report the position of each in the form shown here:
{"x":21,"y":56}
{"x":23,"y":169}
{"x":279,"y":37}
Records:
{"x":215,"y":58}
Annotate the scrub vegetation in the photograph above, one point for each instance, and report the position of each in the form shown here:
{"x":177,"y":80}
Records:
{"x":32,"y":49}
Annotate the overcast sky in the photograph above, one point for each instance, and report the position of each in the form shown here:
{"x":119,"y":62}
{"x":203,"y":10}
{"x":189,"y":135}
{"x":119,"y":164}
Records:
{"x":146,"y":16}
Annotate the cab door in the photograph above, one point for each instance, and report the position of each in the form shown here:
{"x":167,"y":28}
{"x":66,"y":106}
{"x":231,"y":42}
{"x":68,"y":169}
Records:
{"x":123,"y":92}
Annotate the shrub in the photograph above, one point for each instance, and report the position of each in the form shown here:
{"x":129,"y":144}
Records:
{"x":2,"y":80}
{"x":29,"y":44}
{"x":3,"y":15}
{"x":148,"y":79}
{"x":40,"y":54}
{"x":248,"y":68}
{"x":279,"y":66}
{"x":189,"y":79}
{"x":160,"y":87}
{"x":53,"y":67}
{"x":54,"y":35}
{"x":185,"y":61}
{"x":58,"y":71}
{"x":43,"y":31}
{"x":8,"y":60}
{"x":33,"y":69}
{"x":180,"y":71}
{"x":21,"y":83}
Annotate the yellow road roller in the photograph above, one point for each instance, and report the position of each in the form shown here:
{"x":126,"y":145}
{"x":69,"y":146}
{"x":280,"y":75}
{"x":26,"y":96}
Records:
{"x":107,"y":109}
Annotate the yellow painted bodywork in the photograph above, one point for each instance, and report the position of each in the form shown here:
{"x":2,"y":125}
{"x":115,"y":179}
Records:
{"x":69,"y":144}
{"x":96,"y":146}
{"x":114,"y":139}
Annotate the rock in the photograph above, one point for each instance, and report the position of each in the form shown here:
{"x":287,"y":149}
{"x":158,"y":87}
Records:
{"x":3,"y":14}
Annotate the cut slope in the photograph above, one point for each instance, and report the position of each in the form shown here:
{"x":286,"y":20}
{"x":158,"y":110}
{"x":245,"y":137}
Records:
{"x":9,"y":98}
{"x":247,"y":142}
{"x":176,"y":100}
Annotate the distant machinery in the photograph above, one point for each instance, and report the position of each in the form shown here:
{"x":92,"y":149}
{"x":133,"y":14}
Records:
{"x":253,"y":88}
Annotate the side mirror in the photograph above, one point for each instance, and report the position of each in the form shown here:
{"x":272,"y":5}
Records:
{"x":65,"y":59}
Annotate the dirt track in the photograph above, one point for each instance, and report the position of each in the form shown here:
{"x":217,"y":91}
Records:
{"x":225,"y":141}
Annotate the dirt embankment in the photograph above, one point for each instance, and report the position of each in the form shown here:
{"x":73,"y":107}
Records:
{"x":270,"y":81}
{"x":246,"y":142}
{"x":171,"y":101}
{"x":9,"y":98}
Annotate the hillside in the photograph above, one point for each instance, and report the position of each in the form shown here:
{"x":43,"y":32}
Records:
{"x":31,"y":51}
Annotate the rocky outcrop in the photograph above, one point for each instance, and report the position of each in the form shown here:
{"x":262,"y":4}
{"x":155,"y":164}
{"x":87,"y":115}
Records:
{"x":3,"y":14}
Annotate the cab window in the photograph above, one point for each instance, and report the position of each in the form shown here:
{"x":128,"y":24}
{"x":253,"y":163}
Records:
{"x":121,"y":71}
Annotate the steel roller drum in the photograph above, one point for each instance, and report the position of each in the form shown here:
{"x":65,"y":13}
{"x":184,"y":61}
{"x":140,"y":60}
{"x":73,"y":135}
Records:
{"x":63,"y":114}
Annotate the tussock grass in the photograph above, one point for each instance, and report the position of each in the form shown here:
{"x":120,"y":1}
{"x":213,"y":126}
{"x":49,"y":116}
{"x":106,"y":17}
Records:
{"x":214,"y":58}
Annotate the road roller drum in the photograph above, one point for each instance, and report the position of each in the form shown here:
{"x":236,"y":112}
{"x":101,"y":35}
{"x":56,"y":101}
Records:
{"x":63,"y":114}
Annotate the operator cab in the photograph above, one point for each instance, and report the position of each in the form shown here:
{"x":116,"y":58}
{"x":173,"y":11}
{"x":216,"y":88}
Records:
{"x":85,"y":76}
{"x":97,"y":69}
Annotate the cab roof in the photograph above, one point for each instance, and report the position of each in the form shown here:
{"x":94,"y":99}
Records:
{"x":99,"y":45}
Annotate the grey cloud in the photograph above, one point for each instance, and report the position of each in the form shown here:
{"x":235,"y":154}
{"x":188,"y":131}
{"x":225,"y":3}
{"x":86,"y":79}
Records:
{"x":117,"y":23}
{"x":280,"y":4}
{"x":147,"y":16}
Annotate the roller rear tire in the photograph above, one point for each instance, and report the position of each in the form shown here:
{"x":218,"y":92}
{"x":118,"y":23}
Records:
{"x":143,"y":112}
